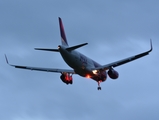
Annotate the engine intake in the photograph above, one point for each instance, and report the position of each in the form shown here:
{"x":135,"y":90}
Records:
{"x":66,"y":78}
{"x":113,"y":74}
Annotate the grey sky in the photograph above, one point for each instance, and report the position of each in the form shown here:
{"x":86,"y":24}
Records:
{"x":114,"y":30}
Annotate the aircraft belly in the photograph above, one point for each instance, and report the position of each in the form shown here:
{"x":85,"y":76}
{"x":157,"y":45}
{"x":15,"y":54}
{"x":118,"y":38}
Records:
{"x":75,"y":63}
{"x":70,"y":59}
{"x":81,"y":65}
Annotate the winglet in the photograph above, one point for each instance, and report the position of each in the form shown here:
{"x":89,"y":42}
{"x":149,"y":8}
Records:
{"x":151,"y":46}
{"x":6,"y":59}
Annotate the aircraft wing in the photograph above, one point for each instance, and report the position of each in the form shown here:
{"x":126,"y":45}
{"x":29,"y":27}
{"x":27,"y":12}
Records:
{"x":123,"y":61}
{"x":41,"y":69}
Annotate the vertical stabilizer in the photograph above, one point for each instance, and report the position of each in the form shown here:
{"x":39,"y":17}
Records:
{"x":62,"y":32}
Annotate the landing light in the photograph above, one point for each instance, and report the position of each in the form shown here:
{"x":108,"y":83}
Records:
{"x":94,"y":71}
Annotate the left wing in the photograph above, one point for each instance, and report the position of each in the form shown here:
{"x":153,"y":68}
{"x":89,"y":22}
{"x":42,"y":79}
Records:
{"x":121,"y":62}
{"x":42,"y":69}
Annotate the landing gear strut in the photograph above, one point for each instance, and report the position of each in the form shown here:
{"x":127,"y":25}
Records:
{"x":99,"y":88}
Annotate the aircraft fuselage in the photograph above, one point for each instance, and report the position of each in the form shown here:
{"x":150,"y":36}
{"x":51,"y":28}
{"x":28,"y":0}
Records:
{"x":82,"y":65}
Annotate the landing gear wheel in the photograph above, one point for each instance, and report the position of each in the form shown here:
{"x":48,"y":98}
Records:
{"x":99,"y":88}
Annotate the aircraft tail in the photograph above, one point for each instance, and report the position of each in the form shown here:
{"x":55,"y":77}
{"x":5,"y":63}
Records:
{"x":62,"y":32}
{"x":63,"y":41}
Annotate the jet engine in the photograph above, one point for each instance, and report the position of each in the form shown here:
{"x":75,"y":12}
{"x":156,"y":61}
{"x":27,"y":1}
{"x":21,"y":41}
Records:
{"x":66,"y":78}
{"x":113,"y":74}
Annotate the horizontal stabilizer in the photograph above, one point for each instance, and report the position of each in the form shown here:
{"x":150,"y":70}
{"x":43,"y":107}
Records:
{"x":52,"y":50}
{"x":75,"y":47}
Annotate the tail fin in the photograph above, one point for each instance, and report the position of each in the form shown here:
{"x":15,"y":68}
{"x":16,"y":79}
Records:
{"x":62,"y":32}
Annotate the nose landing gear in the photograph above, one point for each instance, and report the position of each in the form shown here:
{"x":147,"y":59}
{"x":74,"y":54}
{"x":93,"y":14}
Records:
{"x":99,"y":88}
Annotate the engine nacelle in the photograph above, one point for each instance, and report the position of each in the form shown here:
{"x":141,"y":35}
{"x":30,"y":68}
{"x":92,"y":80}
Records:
{"x":66,"y":78}
{"x":113,"y":74}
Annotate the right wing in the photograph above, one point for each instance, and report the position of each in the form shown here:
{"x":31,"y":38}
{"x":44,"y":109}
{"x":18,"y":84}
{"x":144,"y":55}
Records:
{"x":41,"y":69}
{"x":123,"y":61}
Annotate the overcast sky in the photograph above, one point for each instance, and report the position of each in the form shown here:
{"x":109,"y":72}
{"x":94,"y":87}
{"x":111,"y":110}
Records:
{"x":114,"y":30}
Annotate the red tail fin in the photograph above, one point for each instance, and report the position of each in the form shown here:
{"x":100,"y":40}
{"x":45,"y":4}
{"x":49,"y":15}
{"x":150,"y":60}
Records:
{"x":62,"y":32}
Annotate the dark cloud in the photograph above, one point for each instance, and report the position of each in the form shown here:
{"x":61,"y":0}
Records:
{"x":113,"y":29}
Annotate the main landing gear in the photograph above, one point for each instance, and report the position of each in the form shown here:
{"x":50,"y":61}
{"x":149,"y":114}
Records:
{"x":99,"y":88}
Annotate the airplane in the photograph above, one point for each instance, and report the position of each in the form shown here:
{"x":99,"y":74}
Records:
{"x":81,"y":64}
